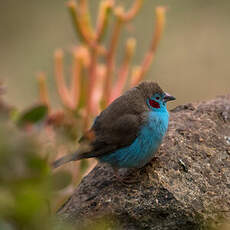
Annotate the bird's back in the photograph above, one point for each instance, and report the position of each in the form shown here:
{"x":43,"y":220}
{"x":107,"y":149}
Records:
{"x":132,"y":102}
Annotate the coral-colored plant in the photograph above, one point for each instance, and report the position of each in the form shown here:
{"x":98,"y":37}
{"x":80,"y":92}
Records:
{"x":96,"y":83}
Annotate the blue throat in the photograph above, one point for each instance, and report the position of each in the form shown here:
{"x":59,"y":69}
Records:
{"x":142,"y":150}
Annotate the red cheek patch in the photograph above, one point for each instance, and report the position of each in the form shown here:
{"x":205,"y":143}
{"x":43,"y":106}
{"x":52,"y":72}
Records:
{"x":154,"y":104}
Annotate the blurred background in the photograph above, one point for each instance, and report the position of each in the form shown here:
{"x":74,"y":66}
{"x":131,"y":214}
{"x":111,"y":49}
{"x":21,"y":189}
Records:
{"x":192,"y":61}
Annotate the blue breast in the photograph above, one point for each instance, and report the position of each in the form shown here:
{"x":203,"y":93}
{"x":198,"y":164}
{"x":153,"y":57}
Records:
{"x":142,"y":150}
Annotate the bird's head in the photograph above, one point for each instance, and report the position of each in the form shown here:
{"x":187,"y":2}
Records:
{"x":154,"y":96}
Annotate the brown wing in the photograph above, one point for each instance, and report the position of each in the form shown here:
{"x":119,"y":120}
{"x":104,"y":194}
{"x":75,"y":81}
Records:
{"x":119,"y":133}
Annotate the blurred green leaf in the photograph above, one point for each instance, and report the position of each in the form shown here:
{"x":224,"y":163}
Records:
{"x":14,"y":114}
{"x":33,"y":115}
{"x":25,"y":181}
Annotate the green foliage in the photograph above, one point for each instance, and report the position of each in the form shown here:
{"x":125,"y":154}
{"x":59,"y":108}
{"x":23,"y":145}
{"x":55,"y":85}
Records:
{"x":27,"y":188}
{"x":24,"y":180}
{"x":33,"y":115}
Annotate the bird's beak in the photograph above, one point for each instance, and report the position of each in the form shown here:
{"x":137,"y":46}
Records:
{"x":168,"y":97}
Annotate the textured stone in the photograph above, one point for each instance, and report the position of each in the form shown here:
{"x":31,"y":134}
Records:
{"x":187,"y":187}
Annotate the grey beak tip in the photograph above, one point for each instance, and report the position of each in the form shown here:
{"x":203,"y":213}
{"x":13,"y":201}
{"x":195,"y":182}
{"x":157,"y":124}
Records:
{"x":168,"y":97}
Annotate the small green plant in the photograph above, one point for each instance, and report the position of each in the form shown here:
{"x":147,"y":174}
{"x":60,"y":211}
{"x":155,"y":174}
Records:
{"x":27,"y":186}
{"x":25,"y":180}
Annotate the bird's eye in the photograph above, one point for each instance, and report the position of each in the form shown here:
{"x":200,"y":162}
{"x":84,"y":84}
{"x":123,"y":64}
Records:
{"x":157,"y":98}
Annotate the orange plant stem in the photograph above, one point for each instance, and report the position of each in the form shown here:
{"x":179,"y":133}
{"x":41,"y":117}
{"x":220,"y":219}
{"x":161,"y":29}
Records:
{"x":133,"y":11}
{"x":43,"y":92}
{"x":160,"y":21}
{"x":124,"y":69}
{"x":111,"y":59}
{"x":91,"y":86}
{"x":76,"y":79}
{"x":59,"y":74}
{"x":103,"y":19}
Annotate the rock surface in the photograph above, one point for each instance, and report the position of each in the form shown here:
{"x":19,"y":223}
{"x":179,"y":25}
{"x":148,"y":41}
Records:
{"x":187,"y":187}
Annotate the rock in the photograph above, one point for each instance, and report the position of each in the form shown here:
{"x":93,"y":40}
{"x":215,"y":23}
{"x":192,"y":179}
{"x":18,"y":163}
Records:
{"x":188,"y":187}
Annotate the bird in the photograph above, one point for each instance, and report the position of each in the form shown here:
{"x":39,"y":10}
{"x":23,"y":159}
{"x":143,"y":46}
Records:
{"x":129,"y":131}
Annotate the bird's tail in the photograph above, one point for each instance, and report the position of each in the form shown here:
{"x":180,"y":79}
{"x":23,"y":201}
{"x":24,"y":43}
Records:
{"x":79,"y":154}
